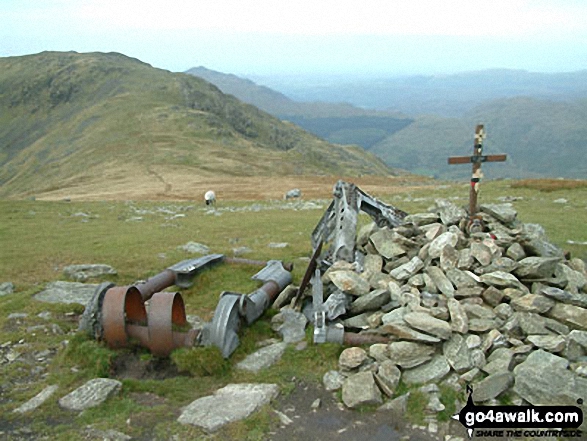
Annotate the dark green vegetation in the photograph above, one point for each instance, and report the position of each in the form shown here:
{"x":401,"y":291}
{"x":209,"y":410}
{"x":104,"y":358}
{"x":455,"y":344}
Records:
{"x":69,"y":119}
{"x":337,"y":122}
{"x":39,"y":238}
{"x":537,"y":119}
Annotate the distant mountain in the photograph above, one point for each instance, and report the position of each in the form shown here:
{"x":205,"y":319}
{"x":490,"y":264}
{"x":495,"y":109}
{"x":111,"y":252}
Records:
{"x":444,"y":95}
{"x":541,"y":137}
{"x":73,"y":119}
{"x":336,"y":122}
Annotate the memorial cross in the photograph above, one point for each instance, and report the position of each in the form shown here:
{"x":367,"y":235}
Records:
{"x":476,"y":159}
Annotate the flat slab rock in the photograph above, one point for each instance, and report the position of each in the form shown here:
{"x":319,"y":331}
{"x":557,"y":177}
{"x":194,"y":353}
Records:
{"x":231,"y":403}
{"x":91,"y":394}
{"x":263,"y":358}
{"x":67,"y":292}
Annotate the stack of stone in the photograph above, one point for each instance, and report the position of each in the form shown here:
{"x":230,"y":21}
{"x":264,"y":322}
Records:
{"x":501,"y":309}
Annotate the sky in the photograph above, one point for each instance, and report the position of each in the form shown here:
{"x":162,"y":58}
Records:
{"x":334,"y":37}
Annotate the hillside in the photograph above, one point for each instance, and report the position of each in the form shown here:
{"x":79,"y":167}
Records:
{"x":335,"y":122}
{"x":74,"y":120}
{"x":541,"y":137}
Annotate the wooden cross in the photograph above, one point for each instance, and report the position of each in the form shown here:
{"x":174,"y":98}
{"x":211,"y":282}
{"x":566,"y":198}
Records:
{"x":477,"y":159}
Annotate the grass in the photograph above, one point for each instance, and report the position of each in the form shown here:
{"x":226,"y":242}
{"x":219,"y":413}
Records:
{"x":39,"y":238}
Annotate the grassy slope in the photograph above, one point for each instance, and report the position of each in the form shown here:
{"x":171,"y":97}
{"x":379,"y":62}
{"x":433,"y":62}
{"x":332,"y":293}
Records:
{"x":71,"y":119}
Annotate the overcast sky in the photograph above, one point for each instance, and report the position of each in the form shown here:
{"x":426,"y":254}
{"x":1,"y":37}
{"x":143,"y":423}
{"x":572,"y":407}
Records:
{"x":259,"y":37}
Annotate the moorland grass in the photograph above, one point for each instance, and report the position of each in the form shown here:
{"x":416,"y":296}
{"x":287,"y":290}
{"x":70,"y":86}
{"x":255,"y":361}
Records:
{"x":38,"y":239}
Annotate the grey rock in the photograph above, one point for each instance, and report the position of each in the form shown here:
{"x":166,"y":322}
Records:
{"x":432,"y":371}
{"x":379,"y":352}
{"x":500,"y":360}
{"x":493,"y":296}
{"x":532,"y":303}
{"x":481,"y":325}
{"x":462,"y":279}
{"x":444,"y":240}
{"x":397,"y":406}
{"x":575,"y":280}
{"x":360,"y":321}
{"x":83,"y":272}
{"x":106,"y":435}
{"x":504,"y":264}
{"x":359,"y":389}
{"x":426,"y":323}
{"x":194,"y":248}
{"x":500,"y":279}
{"x":420,"y":219}
{"x":531,"y":323}
{"x":481,"y":252}
{"x":67,"y":292}
{"x":550,"y":343}
{"x":468,"y":292}
{"x":37,"y":400}
{"x":544,"y":379}
{"x":374,"y":300}
{"x":238,"y":251}
{"x":91,"y":394}
{"x":541,"y":248}
{"x":492,"y":386}
{"x":294,"y":193}
{"x":457,"y":353}
{"x":465,"y":259}
{"x":277,"y":245}
{"x":515,"y":252}
{"x":503,"y":311}
{"x":290,"y":324}
{"x":409,"y":354}
{"x":574,"y":316}
{"x":479,"y":311}
{"x":263,"y":358}
{"x":503,"y":212}
{"x":449,"y":213}
{"x":332,"y":380}
{"x":383,"y":242}
{"x":535,"y":267}
{"x":441,"y":281}
{"x":6,"y":288}
{"x":231,"y":403}
{"x":406,"y":333}
{"x":350,"y":282}
{"x":336,"y":304}
{"x":387,"y":377}
{"x":407,"y":270}
{"x":564,"y":296}
{"x":372,"y":265}
{"x":352,"y":358}
{"x":458,"y":317}
{"x":285,"y":296}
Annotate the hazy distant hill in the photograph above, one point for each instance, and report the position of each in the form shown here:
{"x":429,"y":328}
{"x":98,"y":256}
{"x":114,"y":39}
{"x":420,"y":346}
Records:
{"x":541,"y":138}
{"x":70,"y":118}
{"x":336,"y":122}
{"x":445,"y":95}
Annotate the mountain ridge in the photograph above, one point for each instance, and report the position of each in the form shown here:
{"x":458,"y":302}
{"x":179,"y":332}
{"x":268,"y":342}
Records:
{"x":72,"y":118}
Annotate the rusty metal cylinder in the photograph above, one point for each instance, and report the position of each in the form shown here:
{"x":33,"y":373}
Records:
{"x":156,"y":284}
{"x":352,"y":339}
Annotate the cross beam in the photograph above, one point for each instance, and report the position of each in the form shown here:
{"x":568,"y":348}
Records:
{"x":476,"y":159}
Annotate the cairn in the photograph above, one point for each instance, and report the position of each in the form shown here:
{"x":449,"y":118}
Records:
{"x":502,"y":310}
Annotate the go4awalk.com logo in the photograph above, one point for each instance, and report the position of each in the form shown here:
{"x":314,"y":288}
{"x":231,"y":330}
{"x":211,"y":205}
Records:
{"x":521,"y":421}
